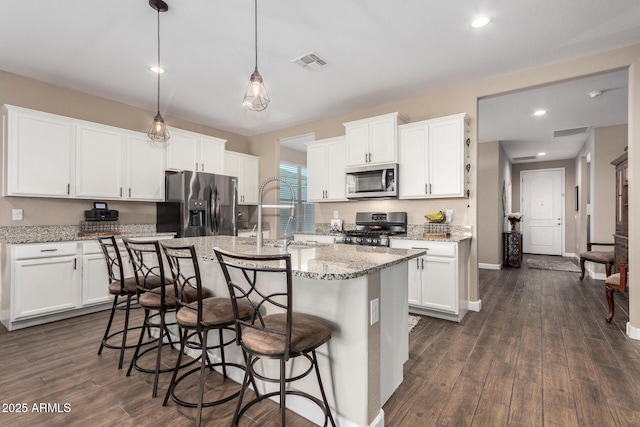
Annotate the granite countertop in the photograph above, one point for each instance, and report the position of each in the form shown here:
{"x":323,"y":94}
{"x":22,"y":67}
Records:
{"x":69,"y":233}
{"x":312,"y":261}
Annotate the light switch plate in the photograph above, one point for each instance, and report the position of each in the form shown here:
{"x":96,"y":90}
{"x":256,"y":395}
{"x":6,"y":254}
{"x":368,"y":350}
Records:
{"x":16,"y":214}
{"x":335,"y":215}
{"x":375,"y":311}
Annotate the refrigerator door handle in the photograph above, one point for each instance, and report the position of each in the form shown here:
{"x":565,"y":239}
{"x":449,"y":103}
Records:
{"x":215,"y":211}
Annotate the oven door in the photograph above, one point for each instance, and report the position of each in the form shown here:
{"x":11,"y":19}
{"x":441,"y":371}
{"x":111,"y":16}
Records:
{"x":372,"y":182}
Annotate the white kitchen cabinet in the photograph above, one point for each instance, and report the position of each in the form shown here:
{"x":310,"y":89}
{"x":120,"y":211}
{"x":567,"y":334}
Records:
{"x":45,"y":279}
{"x":373,"y":140}
{"x":326,"y":161}
{"x":438,"y":281}
{"x":99,"y":161}
{"x":38,"y":153}
{"x":195,"y":152}
{"x":265,"y":234}
{"x":314,"y":238}
{"x":245,"y":167}
{"x":431,"y":158}
{"x":145,"y":169}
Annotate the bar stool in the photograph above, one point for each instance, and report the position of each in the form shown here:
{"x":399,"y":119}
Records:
{"x":196,"y":319}
{"x":156,"y":294}
{"x":274,"y":331}
{"x":124,"y":292}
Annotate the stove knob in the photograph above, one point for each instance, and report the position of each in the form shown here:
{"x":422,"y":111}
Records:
{"x":358,"y":240}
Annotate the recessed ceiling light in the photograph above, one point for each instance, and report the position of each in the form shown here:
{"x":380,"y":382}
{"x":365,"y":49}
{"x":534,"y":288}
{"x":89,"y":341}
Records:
{"x":480,"y":21}
{"x":157,"y":70}
{"x":542,"y":154}
{"x":540,"y":112}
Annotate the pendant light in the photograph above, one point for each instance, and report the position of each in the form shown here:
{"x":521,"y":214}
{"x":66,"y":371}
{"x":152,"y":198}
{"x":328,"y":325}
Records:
{"x":158,"y":131}
{"x":256,"y":97}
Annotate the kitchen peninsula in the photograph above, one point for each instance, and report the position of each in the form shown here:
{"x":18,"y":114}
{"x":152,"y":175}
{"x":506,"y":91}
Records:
{"x":361,"y":291}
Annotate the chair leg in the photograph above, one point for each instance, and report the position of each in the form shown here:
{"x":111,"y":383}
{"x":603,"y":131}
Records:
{"x":203,"y":365}
{"x":609,"y":293}
{"x":582,"y":260}
{"x":106,"y":332}
{"x":283,"y":392}
{"x":243,"y":387}
{"x":159,"y":355}
{"x":124,"y":332}
{"x":224,"y":364}
{"x":135,"y":354}
{"x":183,"y":340}
{"x":324,"y":396}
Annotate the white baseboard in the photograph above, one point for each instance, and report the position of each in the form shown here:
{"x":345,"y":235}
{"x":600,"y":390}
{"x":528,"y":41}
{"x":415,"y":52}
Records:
{"x":486,"y":266}
{"x":475,"y":305}
{"x":633,"y":332}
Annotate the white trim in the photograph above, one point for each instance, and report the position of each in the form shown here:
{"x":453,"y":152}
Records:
{"x":475,"y":305}
{"x":486,"y":266}
{"x":633,"y":332}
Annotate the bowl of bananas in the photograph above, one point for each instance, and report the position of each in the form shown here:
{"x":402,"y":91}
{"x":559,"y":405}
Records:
{"x":435,"y":217}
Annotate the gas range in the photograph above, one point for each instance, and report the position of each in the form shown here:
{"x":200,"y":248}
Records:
{"x":374,"y":228}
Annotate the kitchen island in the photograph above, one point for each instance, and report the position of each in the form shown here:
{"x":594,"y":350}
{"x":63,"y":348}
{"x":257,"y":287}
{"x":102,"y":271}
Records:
{"x":361,"y":291}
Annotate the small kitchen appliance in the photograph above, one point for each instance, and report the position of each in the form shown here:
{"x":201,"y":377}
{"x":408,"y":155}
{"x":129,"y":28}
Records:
{"x":101,"y":212}
{"x":372,"y":182}
{"x":375,"y":228}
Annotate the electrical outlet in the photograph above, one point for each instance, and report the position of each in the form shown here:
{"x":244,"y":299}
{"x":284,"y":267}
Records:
{"x":374,"y":311}
{"x":16,"y":214}
{"x":335,"y":215}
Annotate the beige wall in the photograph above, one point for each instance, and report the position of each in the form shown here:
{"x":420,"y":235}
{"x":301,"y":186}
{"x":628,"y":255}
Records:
{"x":24,"y":92}
{"x":293,"y":156}
{"x":489,"y":196}
{"x":634,"y":191}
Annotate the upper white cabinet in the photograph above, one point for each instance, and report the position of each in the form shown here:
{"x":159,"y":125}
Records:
{"x":326,"y":161}
{"x":245,"y":167}
{"x":144,"y":169}
{"x":431,"y":162}
{"x":38,"y":153}
{"x":195,"y":152}
{"x":372,"y":140}
{"x":99,"y":161}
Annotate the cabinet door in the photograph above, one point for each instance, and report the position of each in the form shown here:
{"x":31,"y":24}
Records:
{"x":182,"y":151}
{"x":43,"y":286}
{"x":211,"y":155}
{"x":95,"y":280}
{"x":233,"y":167}
{"x":145,"y":169}
{"x":357,"y":136}
{"x":335,"y":177}
{"x":39,"y":152}
{"x":440,"y":284}
{"x":99,"y":162}
{"x":446,"y":158}
{"x":413,"y":156}
{"x":317,"y":172}
{"x":415,"y":281}
{"x":249,"y":179}
{"x":383,"y":140}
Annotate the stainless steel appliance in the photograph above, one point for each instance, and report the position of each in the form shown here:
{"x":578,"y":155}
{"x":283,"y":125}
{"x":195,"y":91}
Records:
{"x":198,"y":204}
{"x":372,"y":181}
{"x":374,"y":229}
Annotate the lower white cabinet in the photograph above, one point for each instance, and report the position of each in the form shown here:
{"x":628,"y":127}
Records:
{"x":265,"y":234}
{"x":438,"y":281}
{"x":314,"y":238}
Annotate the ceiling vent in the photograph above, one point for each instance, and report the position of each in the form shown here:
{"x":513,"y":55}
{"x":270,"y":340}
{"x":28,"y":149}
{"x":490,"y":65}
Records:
{"x":310,"y":61}
{"x":519,"y":159}
{"x":569,"y":132}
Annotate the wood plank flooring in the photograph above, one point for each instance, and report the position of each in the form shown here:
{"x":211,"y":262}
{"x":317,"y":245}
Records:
{"x":538,"y":354}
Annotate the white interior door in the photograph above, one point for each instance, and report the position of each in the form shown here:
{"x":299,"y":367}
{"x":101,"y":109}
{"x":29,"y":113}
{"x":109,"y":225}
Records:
{"x":542,"y":210}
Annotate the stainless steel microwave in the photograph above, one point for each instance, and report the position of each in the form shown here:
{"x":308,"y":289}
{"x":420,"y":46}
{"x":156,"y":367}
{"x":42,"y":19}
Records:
{"x":372,"y":181}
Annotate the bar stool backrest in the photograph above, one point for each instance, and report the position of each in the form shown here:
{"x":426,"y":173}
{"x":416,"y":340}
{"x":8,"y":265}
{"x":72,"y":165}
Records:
{"x":112,"y":256}
{"x":148,"y":268}
{"x":254,"y":279}
{"x":185,"y":272}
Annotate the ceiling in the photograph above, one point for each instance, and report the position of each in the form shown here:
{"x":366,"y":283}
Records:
{"x":377,"y":51}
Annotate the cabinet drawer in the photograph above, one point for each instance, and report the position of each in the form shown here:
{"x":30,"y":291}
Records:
{"x":45,"y":250}
{"x":448,"y":249}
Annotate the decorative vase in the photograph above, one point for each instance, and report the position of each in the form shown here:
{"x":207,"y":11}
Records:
{"x":513,"y":226}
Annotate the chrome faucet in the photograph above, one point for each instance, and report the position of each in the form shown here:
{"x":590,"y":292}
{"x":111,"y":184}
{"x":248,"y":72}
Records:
{"x":260,"y":206}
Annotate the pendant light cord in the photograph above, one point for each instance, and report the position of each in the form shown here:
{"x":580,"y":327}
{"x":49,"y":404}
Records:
{"x":255,"y":20}
{"x":158,"y":70}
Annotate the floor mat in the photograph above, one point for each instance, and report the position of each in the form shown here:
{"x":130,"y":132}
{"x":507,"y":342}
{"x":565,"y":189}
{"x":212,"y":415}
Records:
{"x":413,"y":321}
{"x":553,"y":264}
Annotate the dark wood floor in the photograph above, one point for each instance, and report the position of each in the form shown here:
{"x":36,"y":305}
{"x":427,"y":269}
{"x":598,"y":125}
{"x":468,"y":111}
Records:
{"x":538,"y":354}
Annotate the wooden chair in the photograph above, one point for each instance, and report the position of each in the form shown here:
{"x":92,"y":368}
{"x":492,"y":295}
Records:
{"x":599,"y":257}
{"x":616,"y":282}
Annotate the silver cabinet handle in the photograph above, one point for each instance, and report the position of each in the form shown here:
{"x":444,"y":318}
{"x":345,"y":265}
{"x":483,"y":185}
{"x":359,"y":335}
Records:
{"x":429,"y":188}
{"x":426,"y":189}
{"x":129,"y":191}
{"x":365,"y":157}
{"x":196,"y":165}
{"x":120,"y":191}
{"x":417,"y":263}
{"x":68,"y":188}
{"x":75,"y":263}
{"x":48,"y":250}
{"x":202,"y":167}
{"x":422,"y":259}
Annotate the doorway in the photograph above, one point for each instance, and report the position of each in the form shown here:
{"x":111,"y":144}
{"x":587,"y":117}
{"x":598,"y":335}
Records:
{"x":543,"y":211}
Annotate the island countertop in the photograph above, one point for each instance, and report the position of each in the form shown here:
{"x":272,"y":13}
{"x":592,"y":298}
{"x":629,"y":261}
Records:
{"x":312,"y":261}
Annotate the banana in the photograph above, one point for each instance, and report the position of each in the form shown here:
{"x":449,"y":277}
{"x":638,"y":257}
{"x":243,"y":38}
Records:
{"x":435,"y":217}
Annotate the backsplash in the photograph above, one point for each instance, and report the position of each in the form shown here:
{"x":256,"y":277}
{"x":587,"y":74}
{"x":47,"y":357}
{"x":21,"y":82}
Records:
{"x":60,"y":233}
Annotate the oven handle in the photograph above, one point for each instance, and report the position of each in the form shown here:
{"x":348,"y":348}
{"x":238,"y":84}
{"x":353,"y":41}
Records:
{"x":384,"y":180}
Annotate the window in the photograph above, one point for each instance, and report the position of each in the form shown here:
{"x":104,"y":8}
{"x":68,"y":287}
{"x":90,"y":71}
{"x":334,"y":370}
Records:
{"x":304,"y":220}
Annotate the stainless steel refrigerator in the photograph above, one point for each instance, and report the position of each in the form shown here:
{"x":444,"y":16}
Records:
{"x":198,"y":204}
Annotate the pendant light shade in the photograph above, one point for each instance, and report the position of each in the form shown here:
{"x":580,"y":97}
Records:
{"x":256,"y":97}
{"x":158,"y":132}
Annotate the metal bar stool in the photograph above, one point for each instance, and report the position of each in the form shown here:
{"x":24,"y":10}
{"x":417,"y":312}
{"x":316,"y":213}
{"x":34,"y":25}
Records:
{"x":156,"y":295}
{"x":274,"y":331}
{"x":196,"y":319}
{"x":124,"y":292}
